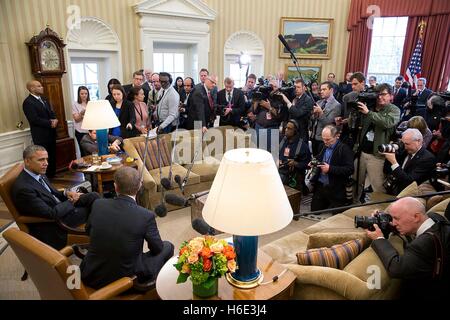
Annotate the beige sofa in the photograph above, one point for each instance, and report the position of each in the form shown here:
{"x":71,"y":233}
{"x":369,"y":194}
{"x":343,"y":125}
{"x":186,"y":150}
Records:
{"x":210,"y":150}
{"x":319,"y":283}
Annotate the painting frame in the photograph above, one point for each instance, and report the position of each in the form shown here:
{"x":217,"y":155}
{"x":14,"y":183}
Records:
{"x":291,"y":73}
{"x":316,"y":37}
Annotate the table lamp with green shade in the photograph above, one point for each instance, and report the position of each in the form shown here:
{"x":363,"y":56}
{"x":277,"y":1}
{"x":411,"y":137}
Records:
{"x":247,"y":199}
{"x":100,"y":116}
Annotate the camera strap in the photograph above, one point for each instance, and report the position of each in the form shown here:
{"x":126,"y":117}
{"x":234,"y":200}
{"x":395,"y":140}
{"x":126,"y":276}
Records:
{"x":439,"y":261}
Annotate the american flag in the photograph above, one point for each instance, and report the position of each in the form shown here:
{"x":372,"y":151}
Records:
{"x":414,"y":70}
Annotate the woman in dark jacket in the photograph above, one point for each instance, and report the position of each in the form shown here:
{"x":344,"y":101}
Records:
{"x":124,"y":110}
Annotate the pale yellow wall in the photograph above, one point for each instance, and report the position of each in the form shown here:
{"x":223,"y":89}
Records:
{"x":263,"y":18}
{"x":21,"y":19}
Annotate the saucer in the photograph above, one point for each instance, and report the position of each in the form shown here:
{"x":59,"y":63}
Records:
{"x":105,"y":168}
{"x":114,"y":160}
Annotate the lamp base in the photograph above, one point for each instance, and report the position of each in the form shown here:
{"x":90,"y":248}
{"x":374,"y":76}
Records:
{"x":252,"y":283}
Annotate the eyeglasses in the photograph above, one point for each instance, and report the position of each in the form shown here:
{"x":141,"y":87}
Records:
{"x":164,"y":81}
{"x":382,"y":94}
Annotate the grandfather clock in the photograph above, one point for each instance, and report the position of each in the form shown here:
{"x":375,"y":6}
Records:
{"x":48,"y":66}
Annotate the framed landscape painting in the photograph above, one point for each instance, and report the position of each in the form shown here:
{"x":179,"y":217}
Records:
{"x":308,"y":38}
{"x":310,"y":72}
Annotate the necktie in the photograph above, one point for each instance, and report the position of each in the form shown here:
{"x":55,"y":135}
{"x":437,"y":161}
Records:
{"x":324,"y":105}
{"x":42,"y":181}
{"x":229,"y":98}
{"x":211,"y":103}
{"x":408,"y":159}
{"x":41,"y":101}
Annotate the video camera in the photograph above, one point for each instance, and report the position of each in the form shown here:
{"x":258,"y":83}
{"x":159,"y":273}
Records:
{"x":368,"y":97}
{"x":314,"y":164}
{"x":381,"y":218}
{"x":444,"y":95}
{"x":262,"y":92}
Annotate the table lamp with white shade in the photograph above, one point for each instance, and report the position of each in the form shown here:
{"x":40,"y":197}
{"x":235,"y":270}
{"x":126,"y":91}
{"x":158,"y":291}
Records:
{"x":100,"y":116}
{"x":247,"y":199}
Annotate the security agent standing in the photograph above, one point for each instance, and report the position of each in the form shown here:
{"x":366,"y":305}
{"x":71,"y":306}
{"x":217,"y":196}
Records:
{"x":377,"y":127}
{"x":330,"y":182}
{"x":422,"y":274}
{"x":294,"y":157}
{"x":414,"y":163}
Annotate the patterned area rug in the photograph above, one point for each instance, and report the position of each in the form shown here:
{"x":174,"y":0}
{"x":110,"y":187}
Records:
{"x":3,"y":243}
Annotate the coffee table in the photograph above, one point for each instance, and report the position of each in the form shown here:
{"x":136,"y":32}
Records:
{"x":294,"y":197}
{"x":283,"y":289}
{"x":103,"y":175}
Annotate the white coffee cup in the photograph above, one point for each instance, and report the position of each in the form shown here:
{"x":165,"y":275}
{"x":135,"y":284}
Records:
{"x":105,"y":164}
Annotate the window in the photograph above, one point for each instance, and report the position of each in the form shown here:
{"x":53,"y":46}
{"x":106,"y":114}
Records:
{"x":238,"y":74}
{"x":386,"y":52}
{"x":86,"y":74}
{"x":172,"y":63}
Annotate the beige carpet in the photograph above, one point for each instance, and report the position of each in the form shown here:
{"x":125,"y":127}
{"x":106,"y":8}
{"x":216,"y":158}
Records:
{"x":175,"y":227}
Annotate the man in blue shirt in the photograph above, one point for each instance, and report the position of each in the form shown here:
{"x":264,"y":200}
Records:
{"x":336,"y":167}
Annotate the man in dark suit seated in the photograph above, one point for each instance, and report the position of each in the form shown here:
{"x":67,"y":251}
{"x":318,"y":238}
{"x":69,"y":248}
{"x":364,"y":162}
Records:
{"x":117,"y":228}
{"x":34,"y":195}
{"x":414,"y":163}
{"x":421,"y":279}
{"x":89,"y":143}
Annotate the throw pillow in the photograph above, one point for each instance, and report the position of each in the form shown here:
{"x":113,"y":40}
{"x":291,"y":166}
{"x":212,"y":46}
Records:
{"x":329,"y":239}
{"x":440,"y":207}
{"x":410,"y":191}
{"x":153,"y":153}
{"x":338,"y":256}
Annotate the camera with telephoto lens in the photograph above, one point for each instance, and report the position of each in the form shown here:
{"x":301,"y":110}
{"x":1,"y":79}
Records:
{"x":381,"y":218}
{"x":442,"y":170}
{"x":390,"y":147}
{"x":368,"y":97}
{"x":262,"y":92}
{"x":314,"y":166}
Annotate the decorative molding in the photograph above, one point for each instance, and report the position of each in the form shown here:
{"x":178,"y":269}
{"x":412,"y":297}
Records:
{"x":93,"y":34}
{"x":195,"y":9}
{"x":244,"y":41}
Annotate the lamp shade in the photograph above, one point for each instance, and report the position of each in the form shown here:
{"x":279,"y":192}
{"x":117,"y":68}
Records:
{"x":247,"y":197}
{"x":99,"y":115}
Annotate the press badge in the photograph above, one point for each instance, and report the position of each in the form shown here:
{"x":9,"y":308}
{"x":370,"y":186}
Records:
{"x":370,"y":136}
{"x":268,"y":116}
{"x":286,"y":152}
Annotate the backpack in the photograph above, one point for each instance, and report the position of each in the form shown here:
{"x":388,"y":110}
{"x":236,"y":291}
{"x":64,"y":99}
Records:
{"x":441,"y":240}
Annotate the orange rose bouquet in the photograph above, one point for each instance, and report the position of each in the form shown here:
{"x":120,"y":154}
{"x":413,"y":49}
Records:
{"x":205,"y":259}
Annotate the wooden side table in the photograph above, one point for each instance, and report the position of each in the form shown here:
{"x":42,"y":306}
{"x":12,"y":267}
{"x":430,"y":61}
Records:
{"x":294,"y":197}
{"x":283,"y":289}
{"x":104,"y":175}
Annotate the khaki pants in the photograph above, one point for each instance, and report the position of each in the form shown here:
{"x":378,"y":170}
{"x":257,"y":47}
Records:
{"x":373,"y":166}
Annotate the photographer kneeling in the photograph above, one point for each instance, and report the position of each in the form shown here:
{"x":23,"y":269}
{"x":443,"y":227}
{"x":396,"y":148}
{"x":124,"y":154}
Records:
{"x":334,"y":168}
{"x":413,"y":163}
{"x":423,"y":267}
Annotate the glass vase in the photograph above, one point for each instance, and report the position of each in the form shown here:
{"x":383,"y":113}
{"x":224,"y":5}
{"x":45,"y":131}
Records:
{"x":200,"y":290}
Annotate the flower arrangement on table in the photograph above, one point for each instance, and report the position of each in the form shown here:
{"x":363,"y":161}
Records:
{"x":205,"y":260}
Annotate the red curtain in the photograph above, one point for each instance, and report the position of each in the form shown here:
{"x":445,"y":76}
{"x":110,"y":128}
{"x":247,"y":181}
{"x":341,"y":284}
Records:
{"x":435,"y":52}
{"x":435,"y":60}
{"x":359,"y":48}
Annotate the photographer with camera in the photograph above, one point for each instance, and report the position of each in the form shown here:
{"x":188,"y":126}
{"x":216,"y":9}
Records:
{"x":413,"y":163}
{"x":324,"y":112}
{"x":333,"y":166}
{"x":270,"y":111}
{"x":231,"y":103}
{"x":301,"y":108}
{"x":424,"y":265}
{"x":294,"y":157}
{"x":377,"y":127}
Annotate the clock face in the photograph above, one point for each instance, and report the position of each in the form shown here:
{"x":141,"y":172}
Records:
{"x":49,"y":56}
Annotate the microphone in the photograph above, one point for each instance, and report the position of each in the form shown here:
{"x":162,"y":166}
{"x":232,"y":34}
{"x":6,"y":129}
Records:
{"x":177,"y":179}
{"x":161,"y":210}
{"x":283,"y":41}
{"x":176,"y":200}
{"x":202,"y":227}
{"x":166,"y":183}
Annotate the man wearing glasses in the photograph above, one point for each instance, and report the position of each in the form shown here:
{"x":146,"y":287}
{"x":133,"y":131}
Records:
{"x":378,"y":125}
{"x":166,"y":113}
{"x":138,"y":80}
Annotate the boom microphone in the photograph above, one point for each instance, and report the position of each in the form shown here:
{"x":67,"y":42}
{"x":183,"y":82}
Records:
{"x":177,"y":179}
{"x":176,"y":200}
{"x":165,"y":182}
{"x":283,"y":41}
{"x":161,"y":210}
{"x":202,"y":227}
